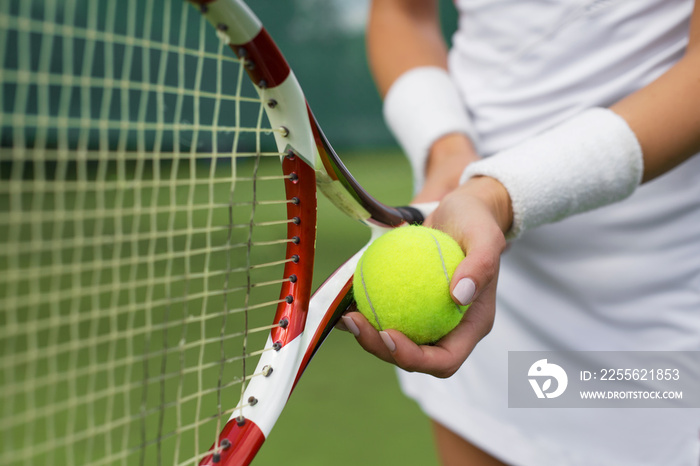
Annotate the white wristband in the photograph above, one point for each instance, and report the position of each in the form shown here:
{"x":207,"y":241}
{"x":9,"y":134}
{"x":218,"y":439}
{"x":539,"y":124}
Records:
{"x":421,"y":106}
{"x":589,"y":161}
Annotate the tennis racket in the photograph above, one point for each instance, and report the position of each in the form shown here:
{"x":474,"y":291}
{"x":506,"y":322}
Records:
{"x":155,"y":255}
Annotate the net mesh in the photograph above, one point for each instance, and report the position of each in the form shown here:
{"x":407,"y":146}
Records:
{"x":143,"y":232}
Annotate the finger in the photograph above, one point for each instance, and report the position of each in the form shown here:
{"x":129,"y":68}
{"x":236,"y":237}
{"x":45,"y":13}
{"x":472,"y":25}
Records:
{"x":445,"y":357}
{"x":441,"y":360}
{"x":367,"y":336}
{"x":342,"y":324}
{"x":389,"y":343}
{"x":476,"y":324}
{"x":479,"y":268}
{"x":429,"y":222}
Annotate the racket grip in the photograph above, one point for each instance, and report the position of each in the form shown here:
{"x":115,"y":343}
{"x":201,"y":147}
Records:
{"x":416,"y":213}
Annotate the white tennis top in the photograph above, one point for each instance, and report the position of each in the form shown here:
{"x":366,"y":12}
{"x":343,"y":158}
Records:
{"x":624,"y":277}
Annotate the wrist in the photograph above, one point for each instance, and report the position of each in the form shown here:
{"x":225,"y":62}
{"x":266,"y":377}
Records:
{"x":447,"y":160}
{"x":421,"y":107}
{"x":589,"y":161}
{"x":495,"y":197}
{"x":452,"y":150}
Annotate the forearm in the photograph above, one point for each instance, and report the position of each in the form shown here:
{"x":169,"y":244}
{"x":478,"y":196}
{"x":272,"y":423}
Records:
{"x":665,"y":116}
{"x":600,"y":156}
{"x":403,"y":34}
{"x":423,"y":107}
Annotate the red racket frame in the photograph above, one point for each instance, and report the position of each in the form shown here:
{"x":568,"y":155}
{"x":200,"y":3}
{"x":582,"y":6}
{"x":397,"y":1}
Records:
{"x":241,"y":438}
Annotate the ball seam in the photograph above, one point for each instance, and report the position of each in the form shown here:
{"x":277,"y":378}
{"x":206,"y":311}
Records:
{"x":369,"y":301}
{"x":444,"y":267}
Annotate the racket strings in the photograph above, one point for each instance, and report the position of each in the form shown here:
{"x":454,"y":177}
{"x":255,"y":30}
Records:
{"x":39,"y":247}
{"x":64,"y":244}
{"x":132,"y":246}
{"x":87,"y":343}
{"x":28,"y":416}
{"x":48,"y":157}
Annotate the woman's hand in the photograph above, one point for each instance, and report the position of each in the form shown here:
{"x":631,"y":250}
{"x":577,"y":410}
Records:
{"x":476,"y":214}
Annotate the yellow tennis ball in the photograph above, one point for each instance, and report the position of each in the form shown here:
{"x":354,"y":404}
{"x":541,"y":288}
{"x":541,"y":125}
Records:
{"x":402,"y":282}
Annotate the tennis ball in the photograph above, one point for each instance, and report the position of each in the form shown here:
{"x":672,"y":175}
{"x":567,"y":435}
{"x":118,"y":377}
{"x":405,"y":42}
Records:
{"x":402,"y":281}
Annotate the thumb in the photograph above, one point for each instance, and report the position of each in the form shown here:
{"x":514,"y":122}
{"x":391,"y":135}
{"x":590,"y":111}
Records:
{"x":478,"y":269}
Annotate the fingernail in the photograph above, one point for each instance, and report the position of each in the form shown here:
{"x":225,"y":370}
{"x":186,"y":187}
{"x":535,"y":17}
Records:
{"x":388,"y":341}
{"x":464,"y":291}
{"x":351,"y":325}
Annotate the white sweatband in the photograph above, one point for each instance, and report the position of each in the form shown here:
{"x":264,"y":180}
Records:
{"x":423,"y":105}
{"x":589,"y":161}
